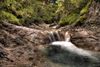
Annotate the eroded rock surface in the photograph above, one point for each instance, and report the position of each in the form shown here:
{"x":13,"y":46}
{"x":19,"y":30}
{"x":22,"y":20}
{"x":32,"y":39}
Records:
{"x":19,"y":45}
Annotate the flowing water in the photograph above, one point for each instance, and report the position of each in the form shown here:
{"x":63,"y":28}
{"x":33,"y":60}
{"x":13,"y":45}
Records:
{"x":56,"y":36}
{"x":58,"y":57}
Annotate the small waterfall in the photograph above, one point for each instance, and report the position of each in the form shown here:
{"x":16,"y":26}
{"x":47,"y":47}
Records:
{"x":55,"y":36}
{"x":72,"y":56}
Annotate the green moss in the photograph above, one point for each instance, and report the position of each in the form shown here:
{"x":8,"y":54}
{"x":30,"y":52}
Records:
{"x":65,"y":11}
{"x":47,"y":13}
{"x":25,"y":12}
{"x":85,"y":9}
{"x":76,"y":10}
{"x":60,"y":4}
{"x":8,"y":2}
{"x":9,"y":17}
{"x":70,"y":19}
{"x":77,"y":3}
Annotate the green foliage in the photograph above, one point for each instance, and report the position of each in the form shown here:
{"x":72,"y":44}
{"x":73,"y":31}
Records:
{"x":69,"y":19}
{"x":25,"y":10}
{"x":12,"y":9}
{"x":46,"y":13}
{"x":85,"y":9}
{"x":75,"y":11}
{"x":9,"y":17}
{"x":77,"y":3}
{"x":25,"y":13}
{"x":60,"y":5}
{"x":65,"y":11}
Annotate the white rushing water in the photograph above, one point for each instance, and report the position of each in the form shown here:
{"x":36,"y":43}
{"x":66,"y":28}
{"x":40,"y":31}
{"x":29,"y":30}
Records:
{"x":66,"y":54}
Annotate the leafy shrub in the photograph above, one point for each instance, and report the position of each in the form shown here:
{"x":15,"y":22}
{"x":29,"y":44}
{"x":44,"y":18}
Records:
{"x":69,"y":19}
{"x":65,"y":11}
{"x":75,"y":11}
{"x":25,"y":10}
{"x":9,"y":17}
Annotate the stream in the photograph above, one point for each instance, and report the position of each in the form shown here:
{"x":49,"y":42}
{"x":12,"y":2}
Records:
{"x":64,"y":57}
{"x":22,"y":46}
